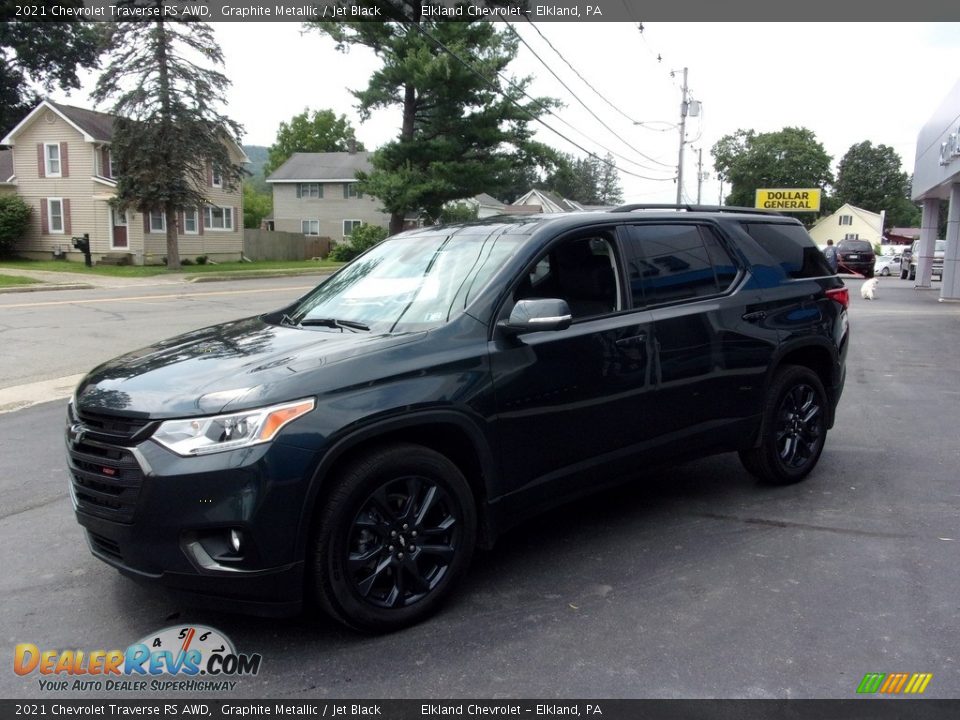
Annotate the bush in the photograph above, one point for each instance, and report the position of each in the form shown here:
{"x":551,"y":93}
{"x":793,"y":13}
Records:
{"x":202,"y":259}
{"x":186,"y":261}
{"x":14,"y":220}
{"x":362,"y":239}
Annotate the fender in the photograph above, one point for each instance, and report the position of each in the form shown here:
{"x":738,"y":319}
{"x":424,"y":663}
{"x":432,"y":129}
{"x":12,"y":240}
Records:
{"x":818,"y":344}
{"x":385,"y":426}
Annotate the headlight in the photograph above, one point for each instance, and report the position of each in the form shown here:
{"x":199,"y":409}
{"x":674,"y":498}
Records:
{"x":199,"y":436}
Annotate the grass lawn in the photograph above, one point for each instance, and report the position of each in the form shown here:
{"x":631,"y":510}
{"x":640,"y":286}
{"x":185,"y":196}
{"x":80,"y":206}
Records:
{"x":150,"y":271}
{"x":11,"y":280}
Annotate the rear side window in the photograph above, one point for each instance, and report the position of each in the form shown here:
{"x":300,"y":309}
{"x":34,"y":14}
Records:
{"x":675,"y":262}
{"x":791,"y":247}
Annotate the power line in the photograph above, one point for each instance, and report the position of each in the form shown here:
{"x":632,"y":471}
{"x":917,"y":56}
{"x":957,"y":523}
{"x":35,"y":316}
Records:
{"x":533,"y":117}
{"x":589,"y":85}
{"x":586,"y":107}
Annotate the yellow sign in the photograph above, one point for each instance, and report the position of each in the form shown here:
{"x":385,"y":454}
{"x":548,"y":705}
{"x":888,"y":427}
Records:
{"x":789,"y":199}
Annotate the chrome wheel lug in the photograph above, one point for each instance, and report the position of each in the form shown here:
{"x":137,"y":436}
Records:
{"x":393,"y":533}
{"x":405,"y":526}
{"x":390,"y":548}
{"x":400,"y":555}
{"x":413,"y":534}
{"x":412,"y":548}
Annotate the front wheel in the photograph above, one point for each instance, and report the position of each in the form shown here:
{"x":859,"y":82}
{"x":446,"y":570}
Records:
{"x":395,"y":533}
{"x":794,"y":428}
{"x":885,"y":272}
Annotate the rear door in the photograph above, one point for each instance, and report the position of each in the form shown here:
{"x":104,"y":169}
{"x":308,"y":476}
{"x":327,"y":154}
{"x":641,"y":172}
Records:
{"x":710,"y":354}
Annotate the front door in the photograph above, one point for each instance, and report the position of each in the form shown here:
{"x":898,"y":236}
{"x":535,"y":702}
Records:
{"x":119,"y":222}
{"x":569,"y":401}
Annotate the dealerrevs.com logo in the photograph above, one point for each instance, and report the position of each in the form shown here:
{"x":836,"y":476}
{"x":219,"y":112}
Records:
{"x":190,"y":659}
{"x":895,"y":683}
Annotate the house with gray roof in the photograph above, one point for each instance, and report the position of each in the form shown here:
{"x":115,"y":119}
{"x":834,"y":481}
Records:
{"x":316,"y":194}
{"x":61,"y":165}
{"x":548,"y":202}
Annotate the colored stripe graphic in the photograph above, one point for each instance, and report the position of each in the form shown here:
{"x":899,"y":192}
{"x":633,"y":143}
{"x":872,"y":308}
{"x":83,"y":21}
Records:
{"x":895,"y":683}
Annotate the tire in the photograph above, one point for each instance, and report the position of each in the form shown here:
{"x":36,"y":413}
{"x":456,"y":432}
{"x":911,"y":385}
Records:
{"x":913,"y":273}
{"x":868,"y":273}
{"x":903,"y":274}
{"x":885,"y":272}
{"x":794,"y":428}
{"x":397,"y":498}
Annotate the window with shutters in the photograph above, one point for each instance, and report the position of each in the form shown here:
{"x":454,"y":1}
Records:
{"x":191,"y":221}
{"x":350,"y":191}
{"x":310,"y":227}
{"x":55,"y":216}
{"x":158,"y":221}
{"x":51,"y":159}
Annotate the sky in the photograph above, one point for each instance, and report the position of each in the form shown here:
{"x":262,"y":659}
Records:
{"x":847,"y":82}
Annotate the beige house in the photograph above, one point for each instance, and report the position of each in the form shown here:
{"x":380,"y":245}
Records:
{"x":316,"y":194}
{"x":547,"y":202}
{"x":62,"y":168}
{"x":848,"y":222}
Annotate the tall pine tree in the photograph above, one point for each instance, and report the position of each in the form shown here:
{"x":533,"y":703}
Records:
{"x":463,"y":129}
{"x":169,"y":133}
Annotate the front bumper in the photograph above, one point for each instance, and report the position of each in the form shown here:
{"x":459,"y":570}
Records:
{"x":165,"y":519}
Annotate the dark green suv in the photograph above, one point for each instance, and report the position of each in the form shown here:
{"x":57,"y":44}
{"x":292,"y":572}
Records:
{"x":352,"y":449}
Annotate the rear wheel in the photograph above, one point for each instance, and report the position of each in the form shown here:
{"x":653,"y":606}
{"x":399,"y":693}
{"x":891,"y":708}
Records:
{"x":903,"y":274}
{"x":394,"y":535}
{"x":885,"y":272}
{"x":794,"y":428}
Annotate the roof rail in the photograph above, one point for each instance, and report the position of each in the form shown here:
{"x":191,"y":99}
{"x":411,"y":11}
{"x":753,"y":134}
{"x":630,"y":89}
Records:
{"x":694,"y":208}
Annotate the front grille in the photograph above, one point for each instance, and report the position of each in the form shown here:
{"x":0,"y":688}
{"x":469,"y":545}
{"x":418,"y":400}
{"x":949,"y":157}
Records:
{"x":106,"y":480}
{"x":105,"y":546}
{"x":111,"y":428}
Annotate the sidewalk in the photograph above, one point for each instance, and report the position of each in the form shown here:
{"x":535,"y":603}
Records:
{"x":83,"y":281}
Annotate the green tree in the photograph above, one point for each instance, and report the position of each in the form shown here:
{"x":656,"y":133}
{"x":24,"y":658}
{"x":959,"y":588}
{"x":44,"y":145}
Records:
{"x":871,"y":177}
{"x":361,"y":239}
{"x":589,"y":181}
{"x":14,"y":219}
{"x":320,"y":131}
{"x":463,"y":129}
{"x":256,"y":205}
{"x":788,"y":158}
{"x":458,"y":213}
{"x":35,"y":55}
{"x":169,"y":136}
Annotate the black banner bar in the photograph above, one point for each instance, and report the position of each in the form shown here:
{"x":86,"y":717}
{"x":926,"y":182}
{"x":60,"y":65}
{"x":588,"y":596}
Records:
{"x":854,"y":709}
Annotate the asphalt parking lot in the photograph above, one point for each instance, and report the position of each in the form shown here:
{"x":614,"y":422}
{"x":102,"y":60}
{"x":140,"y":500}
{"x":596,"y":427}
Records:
{"x":693,"y":582}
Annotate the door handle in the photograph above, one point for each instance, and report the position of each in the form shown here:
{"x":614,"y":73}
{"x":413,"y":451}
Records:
{"x":751,"y":316}
{"x":632,"y":341}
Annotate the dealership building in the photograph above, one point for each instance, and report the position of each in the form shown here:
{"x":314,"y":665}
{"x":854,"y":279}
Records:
{"x":936,"y":177}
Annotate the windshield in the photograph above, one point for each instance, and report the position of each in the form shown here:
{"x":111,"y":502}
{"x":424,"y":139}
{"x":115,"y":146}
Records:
{"x":408,"y":283}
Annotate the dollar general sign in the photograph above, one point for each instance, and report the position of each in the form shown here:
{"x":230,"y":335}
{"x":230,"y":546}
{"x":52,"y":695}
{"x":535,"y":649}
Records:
{"x":789,"y":199}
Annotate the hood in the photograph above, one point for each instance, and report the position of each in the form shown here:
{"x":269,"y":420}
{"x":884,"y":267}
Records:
{"x":234,"y":366}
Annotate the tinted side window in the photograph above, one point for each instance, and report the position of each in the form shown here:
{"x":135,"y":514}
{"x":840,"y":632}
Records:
{"x":791,"y":247}
{"x":673,"y":262}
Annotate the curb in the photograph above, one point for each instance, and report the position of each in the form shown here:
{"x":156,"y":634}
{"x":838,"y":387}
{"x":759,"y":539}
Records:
{"x":254,"y":274}
{"x":46,"y":287}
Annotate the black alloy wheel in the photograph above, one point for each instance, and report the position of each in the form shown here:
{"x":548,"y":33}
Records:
{"x":402,"y":542}
{"x":394,"y":534}
{"x":794,"y":428}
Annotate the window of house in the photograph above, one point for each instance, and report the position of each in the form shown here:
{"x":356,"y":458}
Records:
{"x":350,"y":225}
{"x":350,"y":191}
{"x":217,"y":218}
{"x":55,"y":215}
{"x":852,"y":236}
{"x":191,"y":224}
{"x":216,"y":177}
{"x":158,"y":221}
{"x":846,"y":219}
{"x":110,"y":173}
{"x":51,"y":156}
{"x":309,"y":190}
{"x":310,"y":227}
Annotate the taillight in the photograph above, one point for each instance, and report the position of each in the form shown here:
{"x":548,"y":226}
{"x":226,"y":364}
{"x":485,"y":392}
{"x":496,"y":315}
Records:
{"x":841,"y":295}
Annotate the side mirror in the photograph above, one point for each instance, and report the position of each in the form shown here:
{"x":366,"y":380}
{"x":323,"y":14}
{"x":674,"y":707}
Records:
{"x":538,"y":315}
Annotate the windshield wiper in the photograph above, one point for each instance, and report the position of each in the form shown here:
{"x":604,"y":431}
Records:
{"x":351,"y":325}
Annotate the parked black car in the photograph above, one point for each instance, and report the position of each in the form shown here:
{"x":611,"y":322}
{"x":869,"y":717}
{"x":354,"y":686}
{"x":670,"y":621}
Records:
{"x":856,"y":256}
{"x":353,"y":448}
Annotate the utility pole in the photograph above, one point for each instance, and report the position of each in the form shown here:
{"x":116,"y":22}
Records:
{"x":699,"y":173}
{"x":684,"y":105}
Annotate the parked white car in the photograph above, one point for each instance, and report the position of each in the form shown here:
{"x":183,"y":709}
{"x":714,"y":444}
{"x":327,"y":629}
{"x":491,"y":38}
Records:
{"x":887,"y":265}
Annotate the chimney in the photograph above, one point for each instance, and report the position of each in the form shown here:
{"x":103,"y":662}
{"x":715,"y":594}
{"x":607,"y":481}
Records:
{"x":352,"y":145}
